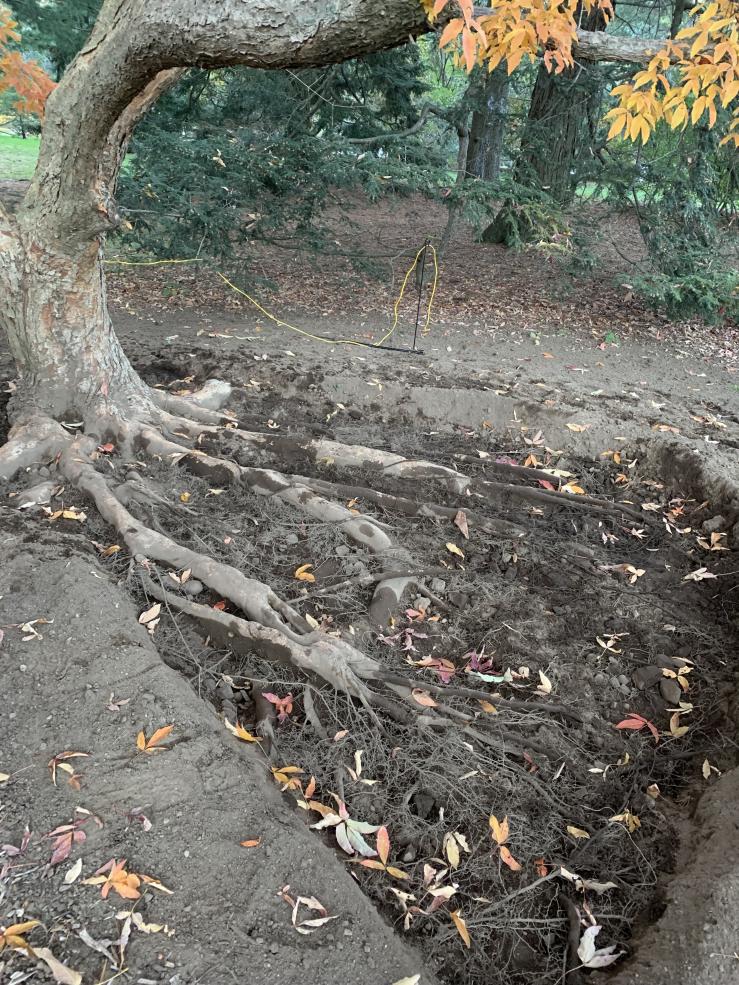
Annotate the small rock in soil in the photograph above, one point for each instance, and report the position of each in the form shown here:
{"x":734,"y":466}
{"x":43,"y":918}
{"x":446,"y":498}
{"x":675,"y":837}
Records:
{"x":715,"y":524}
{"x":438,"y":585}
{"x":670,"y":691}
{"x":342,"y":550}
{"x":644,"y":677}
{"x":192,"y":587}
{"x":291,"y":539}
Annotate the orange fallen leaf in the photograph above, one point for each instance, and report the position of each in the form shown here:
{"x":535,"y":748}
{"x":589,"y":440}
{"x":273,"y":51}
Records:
{"x":505,"y":856}
{"x":423,"y":698}
{"x":303,"y":573}
{"x":251,"y":843}
{"x":461,"y":926}
{"x":149,"y":745}
{"x":240,"y":732}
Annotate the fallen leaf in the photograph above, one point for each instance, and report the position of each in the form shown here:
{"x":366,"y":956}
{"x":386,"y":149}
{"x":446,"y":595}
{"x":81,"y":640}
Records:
{"x":185,"y":497}
{"x":149,"y":745}
{"x":500,"y":829}
{"x":251,"y":843}
{"x":453,"y":549}
{"x":577,"y":428}
{"x":423,"y":698}
{"x":577,"y":832}
{"x":413,"y":980}
{"x":461,"y":926}
{"x":573,"y":489}
{"x":72,"y":874}
{"x":487,"y":707}
{"x":151,"y":613}
{"x":545,"y":687}
{"x":62,"y":974}
{"x":240,"y":732}
{"x":592,"y":958}
{"x":460,"y":521}
{"x":701,"y":574}
{"x":509,"y":860}
{"x":638,"y":722}
{"x":303,"y":573}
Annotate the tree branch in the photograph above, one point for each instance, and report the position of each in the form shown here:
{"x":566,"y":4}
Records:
{"x":134,"y":53}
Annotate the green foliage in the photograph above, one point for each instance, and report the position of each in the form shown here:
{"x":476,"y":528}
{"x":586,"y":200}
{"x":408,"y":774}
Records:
{"x":233,"y":156}
{"x":709,"y":291}
{"x":57,"y":27}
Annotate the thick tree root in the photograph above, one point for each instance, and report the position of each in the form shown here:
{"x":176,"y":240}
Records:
{"x":359,"y":456}
{"x":36,"y":441}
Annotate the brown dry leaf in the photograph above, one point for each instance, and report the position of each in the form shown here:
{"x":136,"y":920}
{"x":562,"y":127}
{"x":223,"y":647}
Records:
{"x":505,"y":856}
{"x":110,"y":551}
{"x":460,"y":521}
{"x":453,"y":549}
{"x":423,"y":698}
{"x":577,"y":832}
{"x":303,"y":573}
{"x":500,"y":829}
{"x":666,"y":427}
{"x":461,"y":926}
{"x":251,"y":843}
{"x":547,"y":355}
{"x":487,"y":707}
{"x":149,"y":745}
{"x":14,"y":936}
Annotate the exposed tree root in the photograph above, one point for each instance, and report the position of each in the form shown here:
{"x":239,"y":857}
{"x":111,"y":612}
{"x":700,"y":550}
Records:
{"x":263,"y":622}
{"x":36,"y":440}
{"x":359,"y":456}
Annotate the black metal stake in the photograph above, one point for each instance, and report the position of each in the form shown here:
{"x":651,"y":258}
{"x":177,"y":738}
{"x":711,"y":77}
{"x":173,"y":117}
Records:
{"x":420,"y":292}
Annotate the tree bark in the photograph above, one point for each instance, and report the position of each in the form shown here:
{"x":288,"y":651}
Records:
{"x":487,"y":128}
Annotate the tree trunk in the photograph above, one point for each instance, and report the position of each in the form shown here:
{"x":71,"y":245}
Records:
{"x":487,"y":128}
{"x":70,"y":364}
{"x":557,"y":133}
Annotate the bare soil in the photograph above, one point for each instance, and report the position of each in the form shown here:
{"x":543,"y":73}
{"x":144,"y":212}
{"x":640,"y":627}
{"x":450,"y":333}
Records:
{"x":646,"y":416}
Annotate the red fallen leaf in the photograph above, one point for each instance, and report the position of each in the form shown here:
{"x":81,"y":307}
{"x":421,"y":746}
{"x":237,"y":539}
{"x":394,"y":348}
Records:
{"x":637,"y":723}
{"x":220,"y":605}
{"x":547,"y":484}
{"x":107,"y":448}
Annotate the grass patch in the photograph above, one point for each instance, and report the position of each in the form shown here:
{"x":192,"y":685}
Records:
{"x":17,"y":156}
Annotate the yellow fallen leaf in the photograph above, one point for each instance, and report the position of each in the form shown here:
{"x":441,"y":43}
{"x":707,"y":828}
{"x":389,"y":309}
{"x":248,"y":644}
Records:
{"x":577,"y":428}
{"x":573,"y":488}
{"x":500,"y":829}
{"x":487,"y":707}
{"x":453,"y":549}
{"x":303,"y":573}
{"x":577,"y":832}
{"x":240,"y":732}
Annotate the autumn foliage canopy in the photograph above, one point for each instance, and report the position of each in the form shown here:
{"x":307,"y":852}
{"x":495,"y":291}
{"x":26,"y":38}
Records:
{"x":686,"y":81}
{"x":26,"y":79}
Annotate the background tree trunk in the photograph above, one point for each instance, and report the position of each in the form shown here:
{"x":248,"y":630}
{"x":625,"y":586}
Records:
{"x":558,"y":131}
{"x":487,"y":128}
